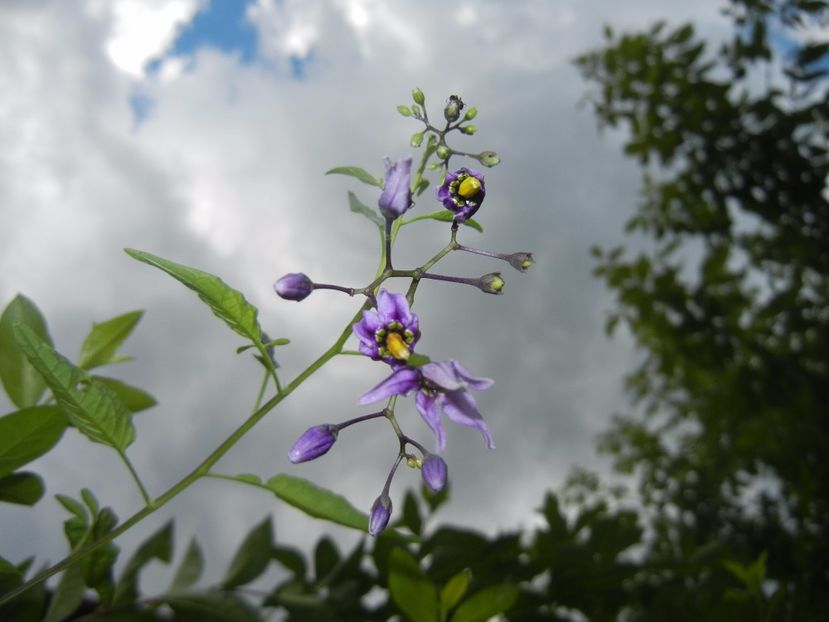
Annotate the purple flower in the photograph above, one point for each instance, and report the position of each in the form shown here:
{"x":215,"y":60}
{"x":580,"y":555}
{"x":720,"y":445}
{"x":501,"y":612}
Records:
{"x":462,"y":193}
{"x":397,"y":194}
{"x":294,"y":286}
{"x":380,"y":514}
{"x":313,"y":443}
{"x":434,"y":472}
{"x":389,"y":332}
{"x":441,"y":384}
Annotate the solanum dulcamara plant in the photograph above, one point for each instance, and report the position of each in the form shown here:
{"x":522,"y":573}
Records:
{"x":385,"y":328}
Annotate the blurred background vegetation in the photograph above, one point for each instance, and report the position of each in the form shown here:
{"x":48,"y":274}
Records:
{"x":724,"y":284}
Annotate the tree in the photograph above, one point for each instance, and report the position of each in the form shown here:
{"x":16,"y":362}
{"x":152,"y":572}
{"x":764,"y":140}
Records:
{"x":730,"y":301}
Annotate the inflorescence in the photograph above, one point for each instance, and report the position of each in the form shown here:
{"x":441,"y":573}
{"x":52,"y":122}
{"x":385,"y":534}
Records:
{"x":389,"y":331}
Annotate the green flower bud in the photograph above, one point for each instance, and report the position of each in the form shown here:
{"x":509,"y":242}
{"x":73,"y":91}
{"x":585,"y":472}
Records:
{"x":443,"y":152}
{"x":416,"y":140}
{"x":488,"y":158}
{"x":405,"y":111}
{"x":492,"y":283}
{"x":453,"y":108}
{"x":418,"y":96}
{"x":416,"y":112}
{"x":433,"y":140}
{"x":469,"y":129}
{"x":470,"y":114}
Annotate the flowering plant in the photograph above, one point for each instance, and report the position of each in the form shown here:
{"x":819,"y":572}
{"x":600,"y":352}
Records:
{"x":385,"y":329}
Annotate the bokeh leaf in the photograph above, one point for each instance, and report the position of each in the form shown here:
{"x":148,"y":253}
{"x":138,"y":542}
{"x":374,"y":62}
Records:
{"x":158,"y":546}
{"x":253,"y":556}
{"x":358,"y":207}
{"x":487,"y":603}
{"x":28,"y":434}
{"x":411,"y":589}
{"x":134,"y":399}
{"x":21,"y":488}
{"x":23,"y":384}
{"x":189,"y":569}
{"x":358,"y":173}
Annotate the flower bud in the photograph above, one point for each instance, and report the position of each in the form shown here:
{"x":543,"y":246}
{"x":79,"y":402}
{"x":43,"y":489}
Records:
{"x":294,"y":286}
{"x":443,"y":152}
{"x":416,"y":111}
{"x":521,"y":261}
{"x":417,"y":139}
{"x":469,"y":129}
{"x":488,"y":158}
{"x":453,"y":108}
{"x":434,"y":472}
{"x":313,"y":443}
{"x":380,"y":514}
{"x":397,"y":194}
{"x":492,"y":283}
{"x":418,"y":96}
{"x":470,"y":114}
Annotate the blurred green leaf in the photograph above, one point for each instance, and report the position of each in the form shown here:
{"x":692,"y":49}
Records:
{"x":21,"y":488}
{"x":358,"y":207}
{"x":411,"y":589}
{"x":95,"y":411}
{"x":445,"y":216}
{"x":317,"y":502}
{"x":411,"y":514}
{"x":487,"y":603}
{"x":100,"y":345}
{"x":28,"y":434}
{"x":226,"y":303}
{"x":454,"y":590}
{"x":210,"y":607}
{"x":68,"y":595}
{"x":158,"y":546}
{"x":189,"y":569}
{"x":252,"y":557}
{"x":326,"y":558}
{"x":357,"y":172}
{"x":23,"y":384}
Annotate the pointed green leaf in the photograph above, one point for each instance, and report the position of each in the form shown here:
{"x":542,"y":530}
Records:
{"x":445,"y":216}
{"x":134,"y":399}
{"x":454,"y":589}
{"x":326,"y":558}
{"x":189,"y":570}
{"x":358,"y":207}
{"x":411,"y":589}
{"x":22,"y":488}
{"x":104,"y":339}
{"x":291,"y":559}
{"x":317,"y":502}
{"x":20,"y":379}
{"x":487,"y":603}
{"x":355,"y":171}
{"x":96,"y":411}
{"x":253,"y":556}
{"x":411,"y":514}
{"x":28,"y":434}
{"x":68,"y":595}
{"x":158,"y":546}
{"x":226,"y":303}
{"x":211,"y":607}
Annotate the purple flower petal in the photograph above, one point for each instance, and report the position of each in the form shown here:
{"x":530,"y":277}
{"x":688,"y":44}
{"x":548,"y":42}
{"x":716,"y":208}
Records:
{"x":451,"y":376}
{"x":403,"y":380}
{"x":428,"y":408}
{"x":460,"y":407}
{"x":434,"y":472}
{"x":396,"y":198}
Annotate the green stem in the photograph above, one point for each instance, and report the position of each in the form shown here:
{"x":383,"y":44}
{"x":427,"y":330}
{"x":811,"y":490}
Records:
{"x":202,"y":470}
{"x":261,"y":394}
{"x":135,"y":477}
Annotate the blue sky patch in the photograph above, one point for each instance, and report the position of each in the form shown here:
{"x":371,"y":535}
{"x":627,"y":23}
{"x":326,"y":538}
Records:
{"x":220,"y":24}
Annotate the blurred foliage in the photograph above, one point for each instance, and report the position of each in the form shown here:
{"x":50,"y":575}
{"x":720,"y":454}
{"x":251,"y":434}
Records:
{"x":724,"y":287}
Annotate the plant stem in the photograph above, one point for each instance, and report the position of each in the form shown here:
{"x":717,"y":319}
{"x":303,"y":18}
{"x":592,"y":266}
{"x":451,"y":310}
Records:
{"x":135,"y":477}
{"x":202,"y":470}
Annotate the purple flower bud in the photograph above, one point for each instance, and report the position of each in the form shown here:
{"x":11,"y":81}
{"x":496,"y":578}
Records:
{"x":294,"y":286}
{"x":313,"y":443}
{"x":521,"y":261}
{"x":380,"y":514}
{"x":434,"y":472}
{"x":397,"y":194}
{"x":492,"y":283}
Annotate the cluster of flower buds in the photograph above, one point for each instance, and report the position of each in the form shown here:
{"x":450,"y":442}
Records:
{"x":388,"y":331}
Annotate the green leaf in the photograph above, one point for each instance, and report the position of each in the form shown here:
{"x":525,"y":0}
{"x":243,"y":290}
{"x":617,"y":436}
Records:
{"x":282,"y":341}
{"x":21,"y":488}
{"x":68,"y":595}
{"x":357,"y":172}
{"x":317,"y":502}
{"x":326,"y":558}
{"x":104,"y":339}
{"x":411,"y":589}
{"x":253,"y":556}
{"x":189,"y":570}
{"x":22,"y":383}
{"x":226,"y":303}
{"x":158,"y":546}
{"x":134,"y":399}
{"x":454,"y":589}
{"x":28,"y":434}
{"x":358,"y":207}
{"x":489,"y":602}
{"x":411,"y":514}
{"x":96,"y":411}
{"x":210,"y":607}
{"x":445,"y":216}
{"x":291,"y":559}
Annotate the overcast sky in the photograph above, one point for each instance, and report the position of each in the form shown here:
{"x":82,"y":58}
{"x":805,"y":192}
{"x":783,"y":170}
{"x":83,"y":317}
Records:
{"x":201,"y":133}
